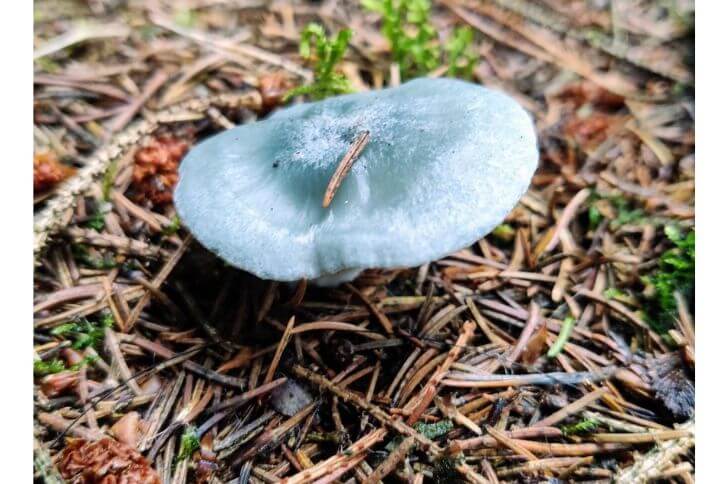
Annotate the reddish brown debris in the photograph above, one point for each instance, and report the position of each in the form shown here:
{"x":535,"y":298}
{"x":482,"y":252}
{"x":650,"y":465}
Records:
{"x":128,"y":429}
{"x":589,"y":131}
{"x":583,"y":92}
{"x":155,"y":170}
{"x":57,"y":383}
{"x":48,"y":171}
{"x":273,"y":86}
{"x":104,"y":461}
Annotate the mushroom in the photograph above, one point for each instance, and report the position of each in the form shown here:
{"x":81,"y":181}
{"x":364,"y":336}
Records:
{"x":391,"y":178}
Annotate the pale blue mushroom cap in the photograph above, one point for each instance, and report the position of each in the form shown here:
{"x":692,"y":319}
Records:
{"x":446,"y":162}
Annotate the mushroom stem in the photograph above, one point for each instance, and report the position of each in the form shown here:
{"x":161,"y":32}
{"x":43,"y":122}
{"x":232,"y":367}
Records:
{"x":331,"y":280}
{"x":345,"y":165}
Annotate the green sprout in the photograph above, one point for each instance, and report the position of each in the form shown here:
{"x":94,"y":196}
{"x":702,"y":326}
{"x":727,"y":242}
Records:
{"x":566,"y":328}
{"x":326,"y":54}
{"x":413,"y":39}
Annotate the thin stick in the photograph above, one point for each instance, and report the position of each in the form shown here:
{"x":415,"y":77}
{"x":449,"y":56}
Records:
{"x":489,"y":441}
{"x":391,"y":462}
{"x":376,"y":312}
{"x":503,"y":439}
{"x":472,"y":380}
{"x":279,"y":351}
{"x":571,"y":408}
{"x":642,"y":438}
{"x":337,"y":461}
{"x":374,"y":410}
{"x":344,"y":167}
{"x":430,"y":389}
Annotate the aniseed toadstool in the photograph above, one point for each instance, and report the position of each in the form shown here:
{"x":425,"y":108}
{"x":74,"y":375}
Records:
{"x":379,"y":179}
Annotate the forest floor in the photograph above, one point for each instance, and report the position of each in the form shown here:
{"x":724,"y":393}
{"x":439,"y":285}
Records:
{"x":559,"y":347}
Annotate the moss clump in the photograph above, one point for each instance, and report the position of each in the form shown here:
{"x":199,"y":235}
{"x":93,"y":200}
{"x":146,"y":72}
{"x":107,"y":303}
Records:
{"x":675,"y":273}
{"x":189,"y":444}
{"x":434,"y":430}
{"x":84,"y":332}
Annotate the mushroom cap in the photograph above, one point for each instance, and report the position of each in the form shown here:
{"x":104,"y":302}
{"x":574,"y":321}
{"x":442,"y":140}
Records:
{"x":446,"y":162}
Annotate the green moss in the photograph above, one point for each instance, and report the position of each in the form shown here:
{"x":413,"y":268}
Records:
{"x":85,"y":333}
{"x":675,"y":273}
{"x":326,"y":53}
{"x":434,"y":430}
{"x":585,"y":426}
{"x":189,"y":443}
{"x":42,"y":368}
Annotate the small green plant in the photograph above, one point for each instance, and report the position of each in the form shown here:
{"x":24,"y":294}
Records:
{"x":84,"y":332}
{"x":585,"y":426}
{"x":413,"y":39}
{"x":326,"y":54}
{"x":675,"y":272}
{"x":42,"y":368}
{"x":461,"y":58}
{"x":189,"y":444}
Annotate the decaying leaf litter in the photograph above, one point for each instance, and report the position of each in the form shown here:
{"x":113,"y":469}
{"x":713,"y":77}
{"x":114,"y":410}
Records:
{"x":560,"y":346}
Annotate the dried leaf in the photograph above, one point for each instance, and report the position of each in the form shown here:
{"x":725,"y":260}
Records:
{"x":104,"y":461}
